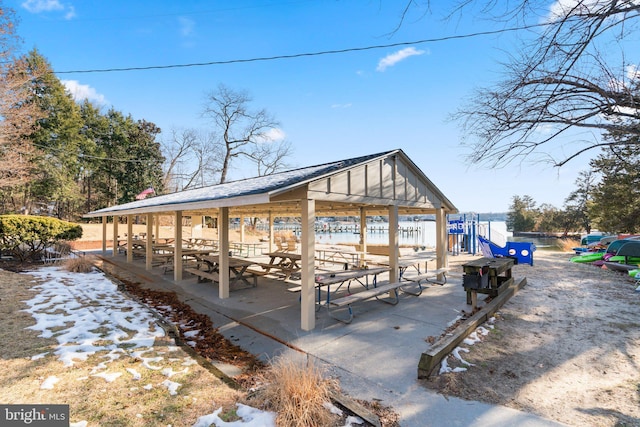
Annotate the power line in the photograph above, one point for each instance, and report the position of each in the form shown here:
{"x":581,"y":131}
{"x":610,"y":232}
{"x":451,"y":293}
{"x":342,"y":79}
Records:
{"x":87,"y":156}
{"x":307,"y":54}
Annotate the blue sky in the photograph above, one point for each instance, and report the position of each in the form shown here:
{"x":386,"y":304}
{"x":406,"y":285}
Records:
{"x":330,"y":107}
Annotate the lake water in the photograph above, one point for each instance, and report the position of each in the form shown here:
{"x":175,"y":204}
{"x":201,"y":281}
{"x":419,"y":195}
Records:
{"x":423,"y":233}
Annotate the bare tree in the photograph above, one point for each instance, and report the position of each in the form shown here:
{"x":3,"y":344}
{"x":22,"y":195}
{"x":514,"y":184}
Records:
{"x":192,"y":159}
{"x":208,"y":163}
{"x":243,"y":132}
{"x":18,"y":117}
{"x":574,"y":75}
{"x":270,"y":156}
{"x":178,"y":152}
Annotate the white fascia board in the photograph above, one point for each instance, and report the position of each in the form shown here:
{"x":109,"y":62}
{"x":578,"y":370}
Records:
{"x":256,"y":199}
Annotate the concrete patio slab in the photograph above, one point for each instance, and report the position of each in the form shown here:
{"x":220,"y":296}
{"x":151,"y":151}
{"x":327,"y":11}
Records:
{"x":375,"y":357}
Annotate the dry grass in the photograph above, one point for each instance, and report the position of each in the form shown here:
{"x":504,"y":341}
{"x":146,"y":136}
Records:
{"x":567,"y":245}
{"x":81,"y":264}
{"x":297,"y":392}
{"x":126,"y":401}
{"x":62,"y":247}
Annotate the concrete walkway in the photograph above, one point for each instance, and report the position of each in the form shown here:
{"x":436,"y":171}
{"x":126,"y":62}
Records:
{"x":375,"y":357}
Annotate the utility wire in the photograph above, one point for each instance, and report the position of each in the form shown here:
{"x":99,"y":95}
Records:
{"x":87,"y":156}
{"x":307,"y":54}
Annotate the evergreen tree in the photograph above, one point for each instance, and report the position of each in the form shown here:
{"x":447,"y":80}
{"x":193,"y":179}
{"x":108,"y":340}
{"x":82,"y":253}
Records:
{"x":145,"y":169}
{"x":577,"y":204}
{"x":549,"y":218}
{"x":522,"y":214}
{"x":615,"y":206}
{"x":83,"y":159}
{"x":95,"y":130}
{"x":129,"y":160}
{"x":58,"y":139}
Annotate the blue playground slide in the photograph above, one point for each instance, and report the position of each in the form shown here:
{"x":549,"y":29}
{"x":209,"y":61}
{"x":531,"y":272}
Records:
{"x":521,"y":252}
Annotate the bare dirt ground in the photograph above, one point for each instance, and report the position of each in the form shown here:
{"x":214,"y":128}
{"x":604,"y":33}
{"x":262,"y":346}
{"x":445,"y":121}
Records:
{"x":566,"y":347}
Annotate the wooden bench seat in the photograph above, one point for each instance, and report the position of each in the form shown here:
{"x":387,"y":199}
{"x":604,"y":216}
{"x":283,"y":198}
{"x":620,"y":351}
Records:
{"x":430,"y":276}
{"x":214,"y":277}
{"x":257,"y":272}
{"x":271,"y":269}
{"x":382,"y":288}
{"x":266,"y":265}
{"x":167,"y":265}
{"x":137,"y":253}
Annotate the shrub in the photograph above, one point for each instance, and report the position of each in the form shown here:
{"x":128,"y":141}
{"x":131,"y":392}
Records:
{"x":81,"y":264}
{"x":298,"y":393}
{"x":26,"y":237}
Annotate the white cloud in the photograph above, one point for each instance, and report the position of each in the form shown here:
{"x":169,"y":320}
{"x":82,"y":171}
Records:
{"x":186,"y":26}
{"x":348,"y":105}
{"x":274,"y":134}
{"x":37,"y":6}
{"x":40,"y":6}
{"x":81,"y":92}
{"x":71,"y":13}
{"x":631,"y":78}
{"x":393,"y":58}
{"x":562,"y":9}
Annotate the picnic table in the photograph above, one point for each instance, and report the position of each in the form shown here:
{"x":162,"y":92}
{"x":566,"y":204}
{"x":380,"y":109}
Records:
{"x":241,"y":248}
{"x":347,"y":276}
{"x":337,"y":256}
{"x":237,"y":270}
{"x":139,"y":247}
{"x":405,"y":263}
{"x":163,"y":241}
{"x":188,"y":255}
{"x":284,"y":262}
{"x":201,"y":243}
{"x":376,"y":291}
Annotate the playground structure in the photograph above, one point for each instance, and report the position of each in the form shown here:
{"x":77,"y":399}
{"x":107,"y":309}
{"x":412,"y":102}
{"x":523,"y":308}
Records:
{"x":521,"y":252}
{"x":472,"y":236}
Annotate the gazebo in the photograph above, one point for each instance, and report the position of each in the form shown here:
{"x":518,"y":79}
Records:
{"x":383,"y":184}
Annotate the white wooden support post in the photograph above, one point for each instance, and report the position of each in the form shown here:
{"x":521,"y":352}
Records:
{"x":242,"y":228}
{"x":150,"y":242}
{"x":223,"y":236}
{"x":308,"y":250}
{"x":104,"y":235}
{"x":177,"y":254}
{"x":157,"y":220}
{"x":129,"y":238}
{"x":363,"y":237}
{"x":270,"y":231}
{"x":393,"y":243}
{"x":441,"y":239}
{"x":115,"y":236}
